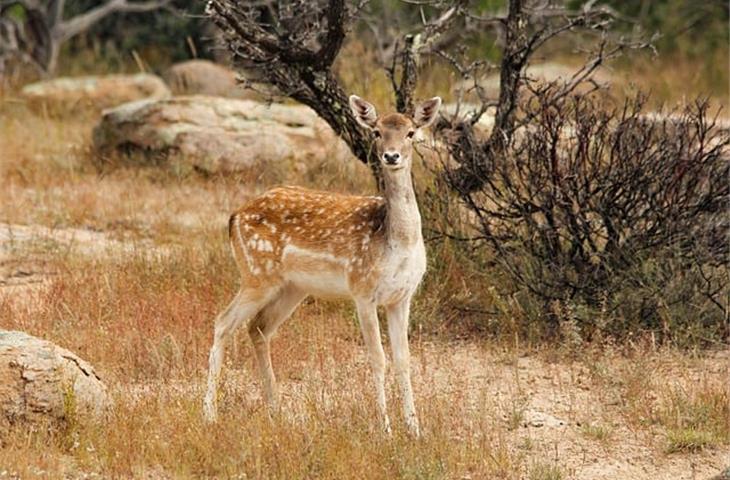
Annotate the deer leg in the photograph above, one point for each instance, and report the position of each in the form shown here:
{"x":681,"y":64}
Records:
{"x":398,"y":332}
{"x":263,"y":328}
{"x":367,"y":314}
{"x":243,"y":307}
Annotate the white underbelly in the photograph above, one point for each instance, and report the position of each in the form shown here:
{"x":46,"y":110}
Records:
{"x":323,"y":283}
{"x":316,"y":273}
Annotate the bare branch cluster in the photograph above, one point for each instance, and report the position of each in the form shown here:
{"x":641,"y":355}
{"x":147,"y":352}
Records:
{"x":36,"y":40}
{"x":406,"y":58}
{"x":588,"y":193}
{"x":526,"y":27}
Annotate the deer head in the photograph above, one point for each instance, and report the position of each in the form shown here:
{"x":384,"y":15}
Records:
{"x":394,"y":133}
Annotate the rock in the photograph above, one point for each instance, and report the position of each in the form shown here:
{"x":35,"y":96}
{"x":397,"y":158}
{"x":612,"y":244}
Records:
{"x":216,"y":134}
{"x":539,"y":72}
{"x":534,"y":418}
{"x":551,"y":71}
{"x":41,"y":381}
{"x":724,"y":475}
{"x":97,"y":92}
{"x":202,"y":77}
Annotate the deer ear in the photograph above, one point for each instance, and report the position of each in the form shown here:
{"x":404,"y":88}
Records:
{"x":363,"y":111}
{"x":426,"y":112}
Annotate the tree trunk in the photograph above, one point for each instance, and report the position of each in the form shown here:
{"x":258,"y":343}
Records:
{"x":326,"y":97}
{"x":472,"y":175}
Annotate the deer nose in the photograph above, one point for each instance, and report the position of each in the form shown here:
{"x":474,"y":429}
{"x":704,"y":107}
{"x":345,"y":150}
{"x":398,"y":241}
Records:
{"x":391,"y":158}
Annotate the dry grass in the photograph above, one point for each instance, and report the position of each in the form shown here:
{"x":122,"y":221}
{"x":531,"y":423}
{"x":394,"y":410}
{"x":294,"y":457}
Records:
{"x":145,"y":322}
{"x":142,"y":314}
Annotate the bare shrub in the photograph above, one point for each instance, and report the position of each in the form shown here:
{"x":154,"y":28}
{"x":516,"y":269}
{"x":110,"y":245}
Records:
{"x":599,"y":206}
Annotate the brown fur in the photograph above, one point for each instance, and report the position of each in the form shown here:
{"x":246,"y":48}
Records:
{"x":395,"y":120}
{"x":346,"y":227}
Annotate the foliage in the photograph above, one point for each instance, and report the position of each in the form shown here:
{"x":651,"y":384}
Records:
{"x":33,"y":37}
{"x":684,"y":26}
{"x":164,"y":37}
{"x":695,"y":420}
{"x":685,"y":30}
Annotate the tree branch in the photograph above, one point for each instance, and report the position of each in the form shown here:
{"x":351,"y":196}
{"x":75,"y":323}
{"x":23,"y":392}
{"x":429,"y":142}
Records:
{"x":336,"y":21}
{"x":80,"y":23}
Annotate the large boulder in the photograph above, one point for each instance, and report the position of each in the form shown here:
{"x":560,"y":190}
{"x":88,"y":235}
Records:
{"x":40,"y":381}
{"x":216,"y":134}
{"x":203,"y":77}
{"x":97,"y":92}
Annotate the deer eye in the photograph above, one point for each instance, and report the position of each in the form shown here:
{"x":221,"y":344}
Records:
{"x":410,"y":134}
{"x":376,"y":133}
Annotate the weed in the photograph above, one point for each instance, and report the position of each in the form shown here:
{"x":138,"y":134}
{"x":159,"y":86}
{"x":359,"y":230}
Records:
{"x":545,"y":471}
{"x":600,"y":433}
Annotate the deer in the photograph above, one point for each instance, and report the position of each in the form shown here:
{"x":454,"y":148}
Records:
{"x":291,"y":242}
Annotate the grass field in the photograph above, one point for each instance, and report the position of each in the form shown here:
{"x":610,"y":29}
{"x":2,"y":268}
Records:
{"x":133,"y":267}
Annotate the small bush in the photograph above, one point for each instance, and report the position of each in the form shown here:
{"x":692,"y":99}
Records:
{"x":600,"y":433}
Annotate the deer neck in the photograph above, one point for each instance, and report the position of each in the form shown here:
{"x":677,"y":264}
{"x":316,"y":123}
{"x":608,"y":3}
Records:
{"x":403,"y":220}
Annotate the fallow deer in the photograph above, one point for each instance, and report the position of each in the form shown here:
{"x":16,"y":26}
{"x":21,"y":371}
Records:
{"x":291,"y":242}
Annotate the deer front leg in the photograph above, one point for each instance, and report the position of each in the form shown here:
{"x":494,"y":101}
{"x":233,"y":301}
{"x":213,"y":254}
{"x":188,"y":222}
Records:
{"x":398,"y":331}
{"x":367,"y":315}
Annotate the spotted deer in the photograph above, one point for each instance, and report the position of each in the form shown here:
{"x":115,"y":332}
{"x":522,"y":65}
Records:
{"x":291,"y":242}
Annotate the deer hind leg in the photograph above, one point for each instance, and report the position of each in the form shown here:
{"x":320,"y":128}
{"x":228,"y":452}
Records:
{"x":243,"y":307}
{"x":367,"y":315}
{"x":263,"y":328}
{"x":398,"y":332}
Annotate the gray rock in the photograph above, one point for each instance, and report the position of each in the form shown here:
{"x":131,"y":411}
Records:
{"x":94,"y":91}
{"x":202,"y":77}
{"x":41,"y":381}
{"x":539,"y":72}
{"x":215,"y":134}
{"x":462,"y":111}
{"x":534,"y":418}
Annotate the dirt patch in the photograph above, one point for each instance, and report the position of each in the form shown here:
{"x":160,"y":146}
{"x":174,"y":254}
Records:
{"x":14,"y":237}
{"x":549,"y":407}
{"x":30,"y":255}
